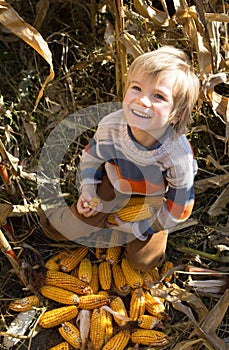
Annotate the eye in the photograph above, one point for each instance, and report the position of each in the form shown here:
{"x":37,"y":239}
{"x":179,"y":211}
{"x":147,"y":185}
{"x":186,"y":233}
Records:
{"x":136,"y":87}
{"x":159,"y":97}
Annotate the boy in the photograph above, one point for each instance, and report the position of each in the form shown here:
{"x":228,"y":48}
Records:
{"x":140,"y":150}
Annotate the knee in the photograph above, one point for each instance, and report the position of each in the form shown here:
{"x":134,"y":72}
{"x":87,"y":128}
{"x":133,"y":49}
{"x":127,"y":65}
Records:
{"x":145,"y":263}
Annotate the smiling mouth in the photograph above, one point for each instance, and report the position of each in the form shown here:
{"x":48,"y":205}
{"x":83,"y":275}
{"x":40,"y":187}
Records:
{"x":141,"y":114}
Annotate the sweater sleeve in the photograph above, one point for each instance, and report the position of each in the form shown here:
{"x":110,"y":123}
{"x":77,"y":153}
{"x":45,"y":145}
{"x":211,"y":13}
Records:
{"x":91,"y":164}
{"x":179,"y":201}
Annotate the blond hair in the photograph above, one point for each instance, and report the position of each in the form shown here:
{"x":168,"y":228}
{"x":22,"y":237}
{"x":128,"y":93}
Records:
{"x":186,"y":87}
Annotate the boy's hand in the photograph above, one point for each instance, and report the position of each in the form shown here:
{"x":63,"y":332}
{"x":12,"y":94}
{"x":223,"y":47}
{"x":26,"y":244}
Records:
{"x":122,"y":225}
{"x":128,"y":227}
{"x":88,"y":203}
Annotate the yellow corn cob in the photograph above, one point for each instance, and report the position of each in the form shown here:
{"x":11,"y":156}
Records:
{"x":60,"y":295}
{"x":113,"y":254}
{"x":100,"y":253}
{"x":137,"y":304}
{"x":74,"y":272}
{"x":115,"y":238}
{"x":154,"y":305}
{"x":109,"y":327}
{"x":118,"y":305}
{"x":120,"y":280}
{"x":93,"y":301}
{"x":94,"y":284}
{"x":93,"y":203}
{"x":133,"y":276}
{"x":145,"y":200}
{"x":168,"y":265}
{"x":148,"y":321}
{"x":73,"y":258}
{"x":104,"y":293}
{"x":66,"y":281}
{"x":118,"y":341}
{"x":155,"y":274}
{"x":147,"y":279}
{"x":71,"y":334}
{"x":53,"y":263}
{"x":85,"y":271}
{"x":62,"y":346}
{"x":132,"y":213}
{"x":57,"y":316}
{"x":98,"y":328}
{"x":149,"y":337}
{"x":24,"y":304}
{"x":105,"y":276}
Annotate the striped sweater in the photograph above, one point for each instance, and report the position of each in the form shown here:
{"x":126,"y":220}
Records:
{"x":168,"y":169}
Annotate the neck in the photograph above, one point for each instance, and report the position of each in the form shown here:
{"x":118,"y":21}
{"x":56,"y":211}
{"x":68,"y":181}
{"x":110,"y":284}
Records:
{"x":145,"y":138}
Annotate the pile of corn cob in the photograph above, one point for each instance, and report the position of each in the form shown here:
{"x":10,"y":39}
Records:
{"x":102,"y":301}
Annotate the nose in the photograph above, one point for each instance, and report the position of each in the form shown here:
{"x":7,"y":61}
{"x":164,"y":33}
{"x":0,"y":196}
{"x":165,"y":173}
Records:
{"x":145,"y":101}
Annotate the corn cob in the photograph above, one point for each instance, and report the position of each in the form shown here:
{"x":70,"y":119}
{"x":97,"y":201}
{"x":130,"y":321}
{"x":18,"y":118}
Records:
{"x":137,"y":304}
{"x":105,"y":276}
{"x":148,"y":321}
{"x":93,"y":203}
{"x":168,"y":265}
{"x":73,"y":258}
{"x":75,"y":271}
{"x":66,"y":281}
{"x":24,"y":304}
{"x":115,"y":238}
{"x":113,"y":254}
{"x":118,"y":341}
{"x":62,"y":346}
{"x":132,"y":213}
{"x":154,"y":305}
{"x":59,"y":295}
{"x":98,"y":328}
{"x":120,"y":280}
{"x":104,"y":293}
{"x":149,"y":337}
{"x":109,"y":327}
{"x":53,"y":263}
{"x":71,"y":334}
{"x":117,"y":305}
{"x":94,"y":284}
{"x":93,"y":301}
{"x":85,"y":271}
{"x":57,"y":316}
{"x":133,"y":276}
{"x":155,"y":274}
{"x":100,"y":253}
{"x":147,"y":279}
{"x":144,"y":200}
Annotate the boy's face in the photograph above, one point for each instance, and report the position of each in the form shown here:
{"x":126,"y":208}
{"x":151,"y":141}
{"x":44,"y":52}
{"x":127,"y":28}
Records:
{"x":148,"y":103}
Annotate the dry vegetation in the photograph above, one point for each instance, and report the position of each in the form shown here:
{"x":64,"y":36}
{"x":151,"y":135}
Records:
{"x":92,"y":44}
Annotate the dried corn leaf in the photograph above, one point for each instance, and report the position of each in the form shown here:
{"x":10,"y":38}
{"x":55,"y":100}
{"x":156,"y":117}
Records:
{"x":41,"y":11}
{"x":193,"y":301}
{"x":131,"y":44}
{"x":219,"y":205}
{"x":216,"y":315}
{"x":5,"y":210}
{"x":209,"y":321}
{"x":160,"y":18}
{"x":13,"y":22}
{"x":32,"y":133}
{"x":211,"y":182}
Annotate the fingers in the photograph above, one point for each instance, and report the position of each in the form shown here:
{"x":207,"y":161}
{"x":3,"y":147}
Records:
{"x":122,"y":225}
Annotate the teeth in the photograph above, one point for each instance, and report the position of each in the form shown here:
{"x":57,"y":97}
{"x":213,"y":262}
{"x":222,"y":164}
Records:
{"x":140,"y":114}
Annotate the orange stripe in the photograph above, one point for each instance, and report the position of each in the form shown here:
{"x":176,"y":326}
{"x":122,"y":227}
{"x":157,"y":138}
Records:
{"x":178,"y":211}
{"x":143,"y":187}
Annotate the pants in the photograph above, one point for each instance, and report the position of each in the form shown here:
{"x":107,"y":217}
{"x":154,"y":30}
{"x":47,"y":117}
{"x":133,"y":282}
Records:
{"x":65,"y":223}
